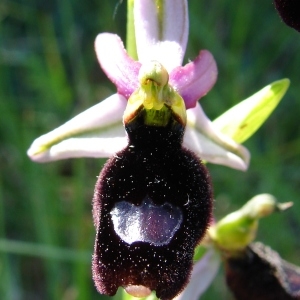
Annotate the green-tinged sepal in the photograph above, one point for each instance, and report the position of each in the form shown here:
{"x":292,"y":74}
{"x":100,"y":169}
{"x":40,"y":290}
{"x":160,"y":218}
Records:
{"x":156,"y":98}
{"x":238,"y":229}
{"x":244,"y":119}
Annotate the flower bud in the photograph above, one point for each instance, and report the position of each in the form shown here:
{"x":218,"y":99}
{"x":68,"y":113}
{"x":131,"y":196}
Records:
{"x":238,"y":229}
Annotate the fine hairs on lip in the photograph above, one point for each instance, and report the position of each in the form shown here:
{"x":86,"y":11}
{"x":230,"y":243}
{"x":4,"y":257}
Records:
{"x":153,"y":176}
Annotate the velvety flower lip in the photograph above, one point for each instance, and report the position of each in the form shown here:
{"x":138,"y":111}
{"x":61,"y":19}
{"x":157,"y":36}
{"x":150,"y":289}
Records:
{"x":278,"y":279}
{"x":153,"y":199}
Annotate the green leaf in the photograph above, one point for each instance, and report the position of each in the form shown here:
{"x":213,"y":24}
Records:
{"x":242,"y":120}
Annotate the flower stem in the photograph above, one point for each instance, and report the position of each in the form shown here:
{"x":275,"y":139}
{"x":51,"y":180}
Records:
{"x":130,"y":37}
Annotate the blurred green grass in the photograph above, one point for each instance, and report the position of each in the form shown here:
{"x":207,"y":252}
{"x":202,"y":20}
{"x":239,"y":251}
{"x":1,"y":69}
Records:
{"x":49,"y":72}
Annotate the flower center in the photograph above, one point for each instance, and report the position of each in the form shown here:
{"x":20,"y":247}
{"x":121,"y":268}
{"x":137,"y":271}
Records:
{"x":155,"y":98}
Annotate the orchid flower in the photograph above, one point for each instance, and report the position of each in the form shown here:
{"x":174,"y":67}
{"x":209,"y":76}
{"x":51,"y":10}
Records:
{"x":161,"y":36}
{"x":99,"y":132}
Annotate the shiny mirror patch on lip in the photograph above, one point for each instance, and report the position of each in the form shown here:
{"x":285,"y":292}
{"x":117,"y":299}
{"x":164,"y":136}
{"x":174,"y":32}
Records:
{"x":150,"y":223}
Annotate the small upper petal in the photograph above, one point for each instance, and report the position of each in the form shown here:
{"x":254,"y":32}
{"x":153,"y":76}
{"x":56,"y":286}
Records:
{"x":161,"y":37}
{"x":101,"y":120}
{"x":195,"y":79}
{"x":119,"y":67}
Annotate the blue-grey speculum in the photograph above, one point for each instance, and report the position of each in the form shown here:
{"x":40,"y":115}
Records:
{"x":149,"y":223}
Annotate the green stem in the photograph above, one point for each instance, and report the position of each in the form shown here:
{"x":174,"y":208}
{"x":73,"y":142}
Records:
{"x":160,"y":16}
{"x":130,"y":38}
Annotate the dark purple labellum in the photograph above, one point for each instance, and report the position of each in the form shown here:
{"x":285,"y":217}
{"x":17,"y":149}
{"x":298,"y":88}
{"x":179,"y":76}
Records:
{"x":261,"y":274}
{"x":289,"y":10}
{"x":152,"y":205}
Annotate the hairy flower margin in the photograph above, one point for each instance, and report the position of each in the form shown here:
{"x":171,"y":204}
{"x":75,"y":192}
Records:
{"x":99,"y":132}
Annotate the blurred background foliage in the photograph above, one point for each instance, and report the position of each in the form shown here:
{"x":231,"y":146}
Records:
{"x":49,"y":73}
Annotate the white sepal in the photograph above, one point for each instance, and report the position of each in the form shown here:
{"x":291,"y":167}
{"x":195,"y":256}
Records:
{"x":90,"y":128}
